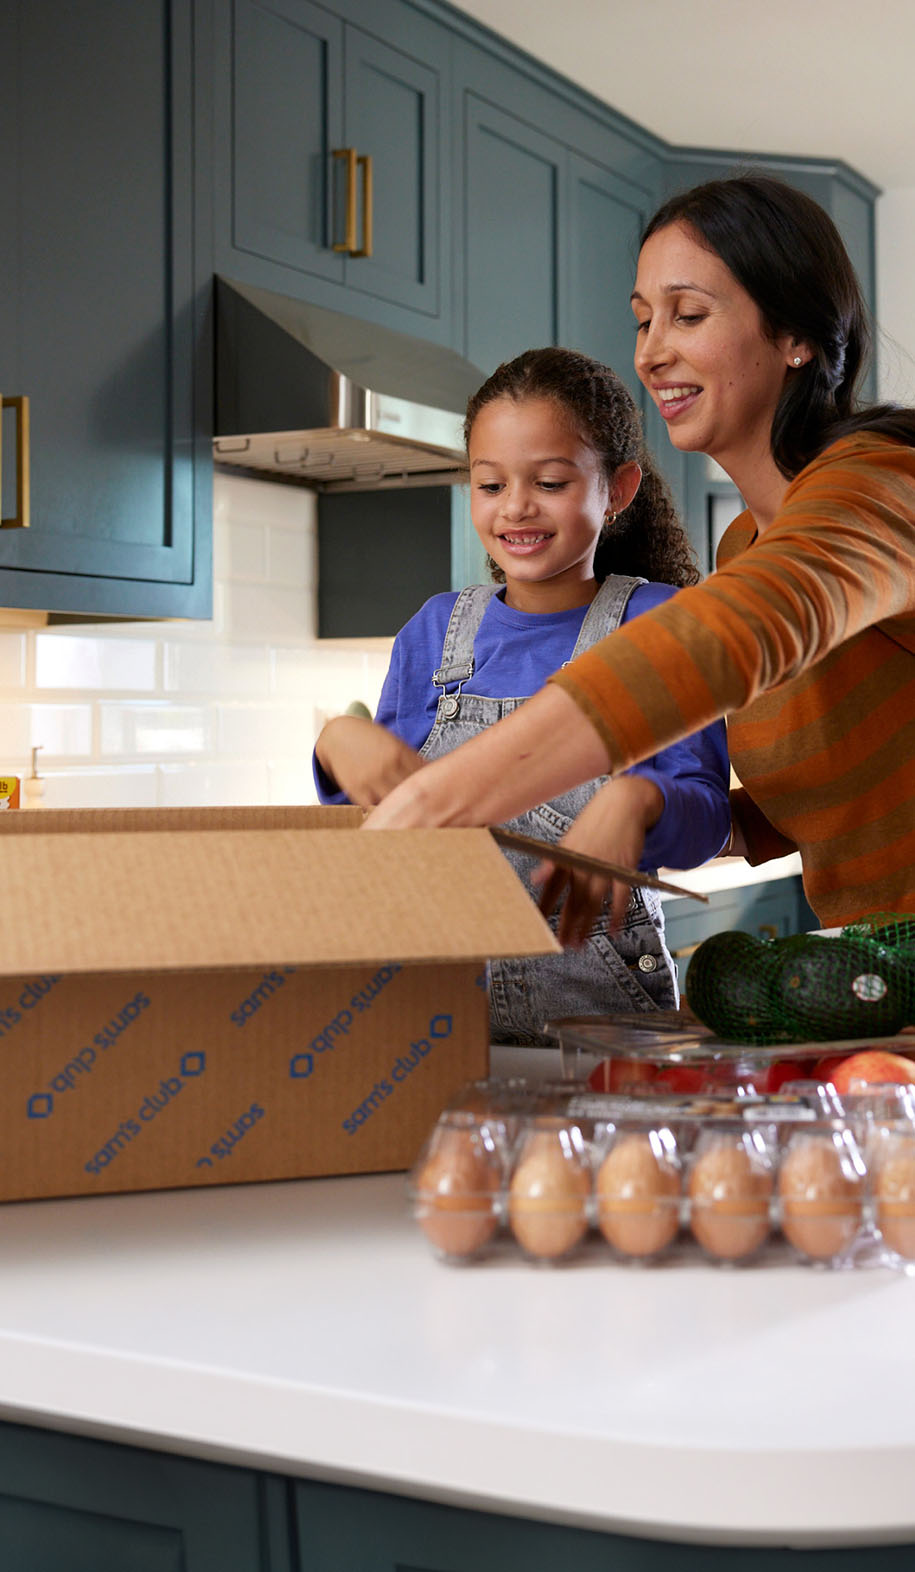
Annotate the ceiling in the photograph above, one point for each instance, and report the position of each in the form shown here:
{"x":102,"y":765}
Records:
{"x":825,"y":78}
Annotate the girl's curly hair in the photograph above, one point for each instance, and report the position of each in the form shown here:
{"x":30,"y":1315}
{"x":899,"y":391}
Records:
{"x":647,"y":540}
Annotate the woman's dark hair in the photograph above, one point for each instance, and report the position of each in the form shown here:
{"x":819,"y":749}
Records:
{"x":646,"y":540}
{"x":790,"y":258}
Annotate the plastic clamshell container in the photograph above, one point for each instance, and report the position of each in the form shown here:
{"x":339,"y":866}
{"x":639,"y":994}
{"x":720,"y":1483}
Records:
{"x":551,"y":1173}
{"x":676,"y":1053}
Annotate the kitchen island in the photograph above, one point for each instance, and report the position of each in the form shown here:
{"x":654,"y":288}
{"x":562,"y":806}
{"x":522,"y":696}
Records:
{"x":361,"y":1405}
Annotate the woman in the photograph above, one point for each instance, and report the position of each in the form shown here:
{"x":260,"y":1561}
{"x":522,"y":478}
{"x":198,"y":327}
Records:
{"x":751,"y":337}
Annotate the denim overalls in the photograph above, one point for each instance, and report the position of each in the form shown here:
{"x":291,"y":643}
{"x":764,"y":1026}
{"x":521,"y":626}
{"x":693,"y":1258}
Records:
{"x":632,"y":970}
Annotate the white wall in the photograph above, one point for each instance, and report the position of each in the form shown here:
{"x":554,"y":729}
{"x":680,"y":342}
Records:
{"x":181,"y":713}
{"x":896,"y":294}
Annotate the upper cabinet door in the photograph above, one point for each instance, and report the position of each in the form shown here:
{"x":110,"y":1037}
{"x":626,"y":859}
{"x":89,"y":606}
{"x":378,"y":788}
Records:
{"x":287,"y":76}
{"x":100,"y":308}
{"x":393,"y":119}
{"x":606,"y":218}
{"x":512,"y":181}
{"x":331,"y":152}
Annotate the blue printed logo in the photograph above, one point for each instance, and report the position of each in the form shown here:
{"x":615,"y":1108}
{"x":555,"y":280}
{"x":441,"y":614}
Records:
{"x":40,"y":1105}
{"x":193,"y":1064}
{"x":301,"y":1066}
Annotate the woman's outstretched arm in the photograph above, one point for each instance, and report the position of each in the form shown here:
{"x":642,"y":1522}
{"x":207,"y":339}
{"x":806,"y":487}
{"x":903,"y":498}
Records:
{"x":541,"y":749}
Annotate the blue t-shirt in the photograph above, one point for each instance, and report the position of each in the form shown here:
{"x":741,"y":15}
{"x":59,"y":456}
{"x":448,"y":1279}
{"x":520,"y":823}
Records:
{"x":514,"y":653}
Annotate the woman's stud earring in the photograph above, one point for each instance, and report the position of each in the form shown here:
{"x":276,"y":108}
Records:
{"x":798,"y":360}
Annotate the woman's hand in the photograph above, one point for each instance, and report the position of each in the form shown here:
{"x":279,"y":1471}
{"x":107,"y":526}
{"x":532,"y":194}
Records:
{"x":613,"y":827}
{"x":544,"y":747}
{"x":366,"y":761}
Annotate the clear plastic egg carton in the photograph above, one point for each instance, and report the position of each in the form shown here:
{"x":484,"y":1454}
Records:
{"x":671,"y":1051}
{"x":556,"y":1173}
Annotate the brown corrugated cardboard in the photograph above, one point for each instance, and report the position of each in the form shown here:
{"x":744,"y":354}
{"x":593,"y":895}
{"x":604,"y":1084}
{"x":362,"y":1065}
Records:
{"x":214,"y":996}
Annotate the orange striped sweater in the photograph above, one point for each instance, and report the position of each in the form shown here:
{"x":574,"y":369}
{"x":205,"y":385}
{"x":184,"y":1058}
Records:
{"x":805,"y":638}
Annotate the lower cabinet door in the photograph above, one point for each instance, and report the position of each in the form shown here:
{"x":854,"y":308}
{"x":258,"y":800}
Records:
{"x":346,"y":1530}
{"x":74,"y":1505}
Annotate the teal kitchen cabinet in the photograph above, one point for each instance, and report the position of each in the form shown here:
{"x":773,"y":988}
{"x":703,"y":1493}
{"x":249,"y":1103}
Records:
{"x":552,"y":195}
{"x":70,"y":1504}
{"x":340,"y":1529}
{"x":330,"y":150}
{"x":103,"y":260}
{"x":76,"y":1505}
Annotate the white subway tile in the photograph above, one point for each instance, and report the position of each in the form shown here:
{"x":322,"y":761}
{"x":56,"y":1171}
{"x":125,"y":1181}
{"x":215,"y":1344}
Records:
{"x":59,"y":730}
{"x":268,"y":611}
{"x":155,"y":728}
{"x":291,"y":558}
{"x":13,"y":647}
{"x":213,"y":785}
{"x":242,"y":499}
{"x":230,"y":671}
{"x":135,"y":787}
{"x":240,"y":552}
{"x":291,"y":784}
{"x":66,"y":660}
{"x":260,"y":731}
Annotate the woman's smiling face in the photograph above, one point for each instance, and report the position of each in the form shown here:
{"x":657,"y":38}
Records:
{"x":703,"y":353}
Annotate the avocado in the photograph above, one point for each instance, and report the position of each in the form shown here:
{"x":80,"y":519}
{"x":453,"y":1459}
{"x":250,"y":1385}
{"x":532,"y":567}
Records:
{"x":729,"y":987}
{"x":834,"y":988}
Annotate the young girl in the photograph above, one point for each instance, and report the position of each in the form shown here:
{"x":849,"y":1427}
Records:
{"x":576,"y":522}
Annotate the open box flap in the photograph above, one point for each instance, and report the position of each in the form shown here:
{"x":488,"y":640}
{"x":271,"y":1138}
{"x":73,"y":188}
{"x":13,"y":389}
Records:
{"x":102,"y":900}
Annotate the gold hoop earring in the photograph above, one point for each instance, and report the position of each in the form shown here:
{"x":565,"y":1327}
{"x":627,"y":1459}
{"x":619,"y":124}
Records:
{"x":609,"y":520}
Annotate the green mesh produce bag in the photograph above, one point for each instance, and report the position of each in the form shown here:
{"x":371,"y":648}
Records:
{"x":807,"y":987}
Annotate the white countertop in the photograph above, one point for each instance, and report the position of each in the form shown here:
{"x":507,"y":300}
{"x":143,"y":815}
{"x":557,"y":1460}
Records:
{"x":730,"y":873}
{"x":306,"y":1328}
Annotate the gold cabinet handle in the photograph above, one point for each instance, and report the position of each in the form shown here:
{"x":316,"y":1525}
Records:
{"x":354,"y":162}
{"x":20,"y":519}
{"x":365,"y":162}
{"x":348,"y":243}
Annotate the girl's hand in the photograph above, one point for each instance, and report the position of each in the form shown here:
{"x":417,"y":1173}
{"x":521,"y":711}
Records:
{"x":613,"y":827}
{"x":365,"y":760}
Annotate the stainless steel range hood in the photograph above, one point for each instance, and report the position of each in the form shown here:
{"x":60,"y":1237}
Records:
{"x":328,"y":401}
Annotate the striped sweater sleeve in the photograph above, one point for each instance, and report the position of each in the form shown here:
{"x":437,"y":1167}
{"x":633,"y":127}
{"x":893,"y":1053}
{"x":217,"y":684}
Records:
{"x":838,"y":557}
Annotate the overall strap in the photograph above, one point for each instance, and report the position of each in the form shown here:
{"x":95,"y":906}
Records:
{"x":605,"y":612}
{"x":457,"y":649}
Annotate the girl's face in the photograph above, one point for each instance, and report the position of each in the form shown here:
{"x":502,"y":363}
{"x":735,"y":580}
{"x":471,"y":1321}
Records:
{"x":703,"y":353}
{"x":538,"y":501}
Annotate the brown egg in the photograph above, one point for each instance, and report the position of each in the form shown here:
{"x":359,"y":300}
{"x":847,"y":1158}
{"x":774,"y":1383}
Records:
{"x":638,"y":1195}
{"x":729,"y":1189}
{"x":894,"y":1191}
{"x":548,"y":1194}
{"x":455,"y":1189}
{"x":821,"y":1194}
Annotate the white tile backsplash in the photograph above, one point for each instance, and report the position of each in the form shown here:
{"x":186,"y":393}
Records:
{"x":13,"y":651}
{"x":96,"y":660}
{"x":193,"y":713}
{"x":155,"y":728}
{"x":60,"y":730}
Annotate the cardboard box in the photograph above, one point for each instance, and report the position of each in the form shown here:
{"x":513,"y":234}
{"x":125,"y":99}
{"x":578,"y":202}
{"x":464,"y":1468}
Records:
{"x":213,"y":996}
